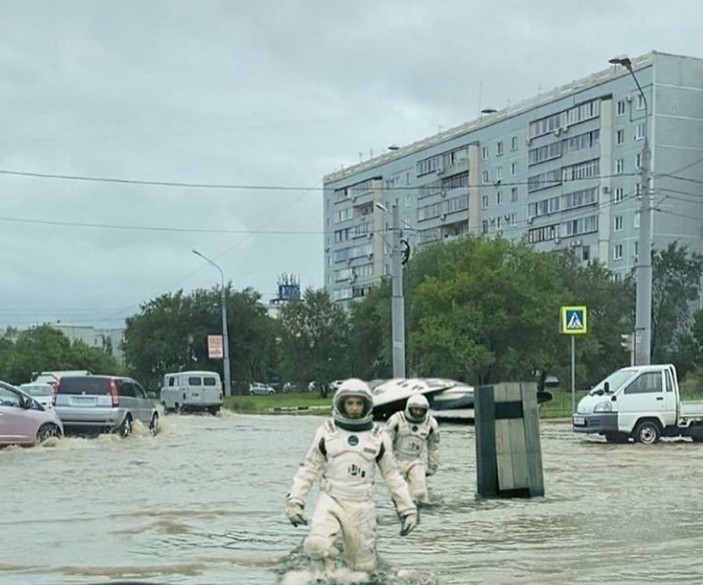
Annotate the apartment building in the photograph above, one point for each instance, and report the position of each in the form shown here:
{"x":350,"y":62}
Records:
{"x":560,"y":170}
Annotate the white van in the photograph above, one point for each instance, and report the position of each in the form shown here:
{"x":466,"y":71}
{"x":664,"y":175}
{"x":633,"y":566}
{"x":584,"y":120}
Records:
{"x":192,"y":391}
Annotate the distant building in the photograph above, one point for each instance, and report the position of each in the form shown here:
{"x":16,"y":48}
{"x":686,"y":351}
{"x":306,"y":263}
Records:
{"x":110,"y":340}
{"x":560,"y":170}
{"x":288,"y":290}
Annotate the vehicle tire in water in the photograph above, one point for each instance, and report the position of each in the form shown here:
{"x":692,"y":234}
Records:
{"x":154,"y":424}
{"x":125,"y":429}
{"x":46,"y":431}
{"x":647,"y":432}
{"x":213,"y":410}
{"x":616,"y":437}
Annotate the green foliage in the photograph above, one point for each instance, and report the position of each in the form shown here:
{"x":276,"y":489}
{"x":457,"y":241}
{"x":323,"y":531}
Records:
{"x":170,"y":335}
{"x":44,"y":348}
{"x":676,"y":277}
{"x":314,"y":334}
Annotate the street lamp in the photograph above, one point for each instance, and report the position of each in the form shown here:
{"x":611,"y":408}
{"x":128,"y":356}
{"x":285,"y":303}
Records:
{"x":225,"y":335}
{"x":643,"y":305}
{"x":397,"y":299}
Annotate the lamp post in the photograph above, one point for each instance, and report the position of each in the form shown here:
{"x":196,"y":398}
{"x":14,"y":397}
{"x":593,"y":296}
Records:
{"x":643,"y":306}
{"x":225,"y":335}
{"x":397,"y":299}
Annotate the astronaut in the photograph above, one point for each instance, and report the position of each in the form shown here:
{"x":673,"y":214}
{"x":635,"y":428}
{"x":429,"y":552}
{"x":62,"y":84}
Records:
{"x":415,"y":436}
{"x":343,"y":456}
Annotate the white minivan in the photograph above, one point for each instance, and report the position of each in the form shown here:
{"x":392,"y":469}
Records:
{"x":192,"y":391}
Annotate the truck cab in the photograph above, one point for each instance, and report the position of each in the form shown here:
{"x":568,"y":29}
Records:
{"x":641,"y":403}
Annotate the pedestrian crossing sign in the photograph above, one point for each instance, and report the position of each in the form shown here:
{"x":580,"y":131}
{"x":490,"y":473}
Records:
{"x":574,"y":320}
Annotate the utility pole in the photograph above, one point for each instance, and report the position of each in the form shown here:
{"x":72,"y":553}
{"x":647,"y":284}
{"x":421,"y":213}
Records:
{"x":643,"y":305}
{"x":225,"y":335}
{"x":397,"y":302}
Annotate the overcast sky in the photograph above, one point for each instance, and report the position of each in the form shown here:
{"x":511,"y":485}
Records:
{"x":265,"y":93}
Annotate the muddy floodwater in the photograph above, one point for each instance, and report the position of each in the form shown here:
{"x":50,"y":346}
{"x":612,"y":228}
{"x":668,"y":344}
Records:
{"x":202,"y":503}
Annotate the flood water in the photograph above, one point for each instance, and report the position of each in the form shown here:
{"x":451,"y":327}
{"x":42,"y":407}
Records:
{"x":202,"y":503}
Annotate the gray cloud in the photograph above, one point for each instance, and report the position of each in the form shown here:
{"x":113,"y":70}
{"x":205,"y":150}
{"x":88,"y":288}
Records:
{"x":257,"y":93}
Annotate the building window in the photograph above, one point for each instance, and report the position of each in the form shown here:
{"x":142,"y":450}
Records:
{"x":513,"y":168}
{"x":619,"y":166}
{"x":640,"y":102}
{"x":499,"y":198}
{"x":499,"y":149}
{"x":586,"y":253}
{"x":621,"y":108}
{"x":619,"y":195}
{"x":640,"y":131}
{"x":484,"y":178}
{"x":513,"y":195}
{"x":637,"y":219}
{"x":513,"y":219}
{"x":484,"y":153}
{"x":638,"y":189}
{"x":484,"y":201}
{"x":618,"y":223}
{"x":620,"y":137}
{"x":617,"y":252}
{"x":484,"y":226}
{"x":513,"y":143}
{"x":499,"y":173}
{"x":638,"y":161}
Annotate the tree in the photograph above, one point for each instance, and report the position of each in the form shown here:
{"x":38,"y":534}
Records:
{"x":314,"y":339}
{"x":370,"y":334}
{"x":676,"y":277}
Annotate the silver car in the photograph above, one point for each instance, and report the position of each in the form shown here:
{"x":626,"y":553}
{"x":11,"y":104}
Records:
{"x":104,"y":404}
{"x":42,"y":392}
{"x":23,"y":421}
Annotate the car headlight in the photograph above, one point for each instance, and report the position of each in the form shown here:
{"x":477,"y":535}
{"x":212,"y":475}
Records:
{"x":603,"y":407}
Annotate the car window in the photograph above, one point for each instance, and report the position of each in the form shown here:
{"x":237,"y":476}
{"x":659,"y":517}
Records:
{"x":139,"y":391}
{"x":8,"y":397}
{"x":650,"y":382}
{"x":126,"y":388}
{"x":84,"y":384}
{"x":194,"y":381}
{"x":37,"y":389}
{"x":171,"y":381}
{"x":210,"y":381}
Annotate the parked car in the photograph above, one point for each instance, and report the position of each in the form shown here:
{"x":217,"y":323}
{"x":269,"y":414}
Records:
{"x":104,"y":404}
{"x":260,"y":388}
{"x":42,"y":392}
{"x":23,"y":421}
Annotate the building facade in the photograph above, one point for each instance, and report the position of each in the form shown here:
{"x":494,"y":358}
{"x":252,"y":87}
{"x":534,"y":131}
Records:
{"x":561,"y":170}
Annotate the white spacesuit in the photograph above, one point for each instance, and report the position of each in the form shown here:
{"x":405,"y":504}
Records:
{"x":415,"y":437}
{"x":343,"y":456}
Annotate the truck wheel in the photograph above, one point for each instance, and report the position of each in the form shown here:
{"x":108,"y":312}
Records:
{"x":647,"y":432}
{"x":616,"y":437}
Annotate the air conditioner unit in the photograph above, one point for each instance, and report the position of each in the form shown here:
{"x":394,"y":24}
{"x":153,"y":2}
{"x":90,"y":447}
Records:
{"x":575,"y":243}
{"x":369,"y":235}
{"x":369,"y":255}
{"x":557,"y":240}
{"x":493,"y":220}
{"x":628,"y":99}
{"x":506,"y":217}
{"x":606,"y":189}
{"x":350,"y":260}
{"x":443,"y":216}
{"x":557,"y":132}
{"x":443,"y":192}
{"x":440,"y":171}
{"x":530,"y":219}
{"x":499,"y":233}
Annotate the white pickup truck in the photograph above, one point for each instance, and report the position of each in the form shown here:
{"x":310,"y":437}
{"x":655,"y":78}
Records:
{"x":640,"y":403}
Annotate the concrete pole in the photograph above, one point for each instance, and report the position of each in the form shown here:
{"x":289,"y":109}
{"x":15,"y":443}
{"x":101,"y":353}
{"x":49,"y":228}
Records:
{"x":643,"y":310}
{"x":225,"y":335}
{"x":397,"y":302}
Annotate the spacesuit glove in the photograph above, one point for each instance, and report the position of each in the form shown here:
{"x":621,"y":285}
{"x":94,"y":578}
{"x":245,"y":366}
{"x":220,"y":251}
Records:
{"x":408,"y":523}
{"x":294,"y":512}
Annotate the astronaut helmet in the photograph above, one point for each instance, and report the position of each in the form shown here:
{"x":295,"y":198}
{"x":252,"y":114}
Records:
{"x":356,"y":419}
{"x":416,"y":408}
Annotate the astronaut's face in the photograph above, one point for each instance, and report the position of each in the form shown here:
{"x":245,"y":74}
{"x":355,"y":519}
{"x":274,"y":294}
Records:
{"x":417,"y":412}
{"x":353,"y":407}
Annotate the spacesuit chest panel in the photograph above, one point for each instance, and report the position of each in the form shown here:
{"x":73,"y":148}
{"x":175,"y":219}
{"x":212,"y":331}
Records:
{"x":351,"y":459}
{"x":411,"y":439}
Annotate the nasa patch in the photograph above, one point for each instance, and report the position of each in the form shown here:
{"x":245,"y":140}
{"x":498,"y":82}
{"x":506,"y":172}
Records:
{"x":353,"y":440}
